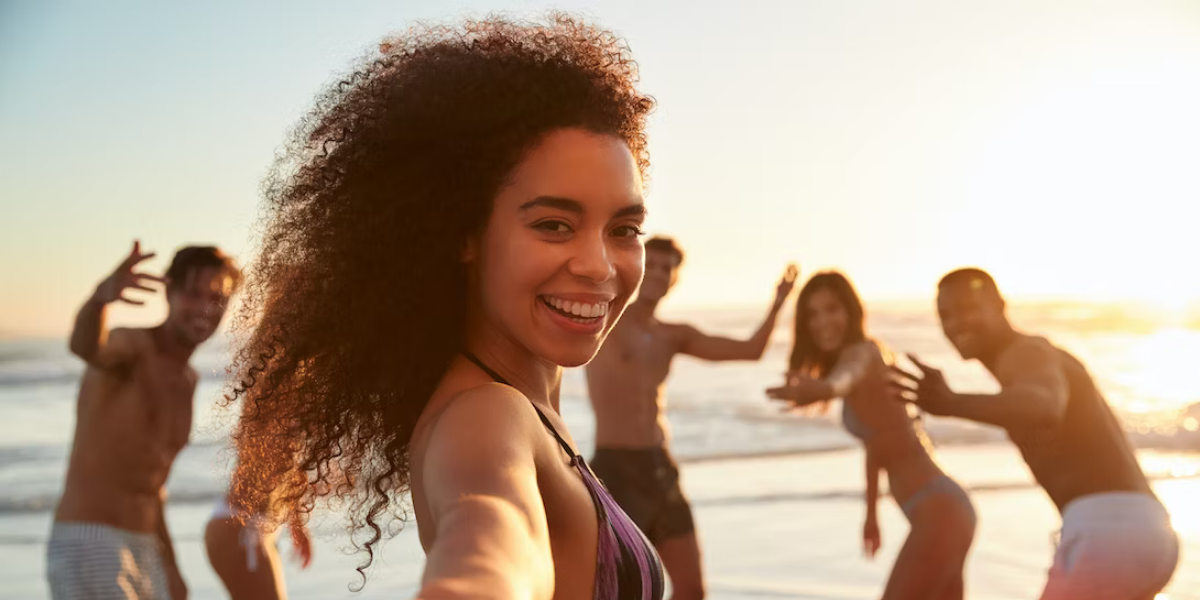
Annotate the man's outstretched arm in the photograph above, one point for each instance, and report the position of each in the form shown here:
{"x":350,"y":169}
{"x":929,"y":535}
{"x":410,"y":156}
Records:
{"x":707,"y":347}
{"x":1034,"y":390}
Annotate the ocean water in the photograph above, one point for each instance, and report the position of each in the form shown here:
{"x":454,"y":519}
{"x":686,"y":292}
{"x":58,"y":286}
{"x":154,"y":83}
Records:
{"x":762,"y":482}
{"x":716,"y":411}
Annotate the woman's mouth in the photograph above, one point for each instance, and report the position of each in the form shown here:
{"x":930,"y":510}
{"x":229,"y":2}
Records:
{"x":583,"y":312}
{"x":577,"y":317}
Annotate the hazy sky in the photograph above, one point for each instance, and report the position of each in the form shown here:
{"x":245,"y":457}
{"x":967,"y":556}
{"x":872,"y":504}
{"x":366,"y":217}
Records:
{"x":1055,"y":143}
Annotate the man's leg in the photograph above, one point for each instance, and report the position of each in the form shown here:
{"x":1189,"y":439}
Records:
{"x":674,"y":535}
{"x":1114,"y":546}
{"x":63,"y":566}
{"x":681,"y":558}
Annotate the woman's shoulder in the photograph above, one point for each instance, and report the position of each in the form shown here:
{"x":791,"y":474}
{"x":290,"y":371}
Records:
{"x":483,"y":413}
{"x":870,"y":349}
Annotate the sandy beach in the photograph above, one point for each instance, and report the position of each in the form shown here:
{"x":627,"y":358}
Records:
{"x":772,"y":527}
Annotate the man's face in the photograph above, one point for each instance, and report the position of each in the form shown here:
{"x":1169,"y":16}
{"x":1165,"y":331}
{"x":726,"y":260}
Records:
{"x":662,"y":270}
{"x":971,"y":317}
{"x":196,"y":305}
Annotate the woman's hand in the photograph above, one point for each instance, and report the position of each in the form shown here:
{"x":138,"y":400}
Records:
{"x":801,"y":391}
{"x":871,"y":538}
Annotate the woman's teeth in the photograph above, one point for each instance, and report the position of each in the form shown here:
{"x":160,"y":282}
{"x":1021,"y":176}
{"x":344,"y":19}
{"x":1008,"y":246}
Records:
{"x":578,"y":309}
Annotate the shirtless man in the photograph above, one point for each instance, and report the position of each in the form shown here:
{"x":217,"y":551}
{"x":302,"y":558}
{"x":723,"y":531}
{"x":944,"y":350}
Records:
{"x":134,"y":415}
{"x":1116,"y":541}
{"x":625,"y":382}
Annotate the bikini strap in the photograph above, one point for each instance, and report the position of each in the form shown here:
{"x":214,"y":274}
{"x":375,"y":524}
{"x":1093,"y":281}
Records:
{"x":486,"y":369}
{"x":545,"y":421}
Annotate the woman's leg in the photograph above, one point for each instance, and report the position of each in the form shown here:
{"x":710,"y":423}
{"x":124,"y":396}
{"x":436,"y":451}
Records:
{"x":930,"y":564}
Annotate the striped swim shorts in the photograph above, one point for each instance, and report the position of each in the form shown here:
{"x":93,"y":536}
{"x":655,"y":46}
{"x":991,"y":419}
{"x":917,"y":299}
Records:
{"x":99,"y":562}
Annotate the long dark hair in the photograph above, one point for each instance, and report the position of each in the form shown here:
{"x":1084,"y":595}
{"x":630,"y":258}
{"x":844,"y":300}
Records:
{"x":356,"y":303}
{"x":806,"y":357}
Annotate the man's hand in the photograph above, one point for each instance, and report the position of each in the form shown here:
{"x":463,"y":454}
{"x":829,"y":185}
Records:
{"x":801,"y":391}
{"x":929,"y":390}
{"x":786,"y":284}
{"x":871,"y":538}
{"x":124,"y":277}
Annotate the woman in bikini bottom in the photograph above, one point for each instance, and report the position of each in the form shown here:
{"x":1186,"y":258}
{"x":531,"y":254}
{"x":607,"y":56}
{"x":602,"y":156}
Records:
{"x":245,"y":557}
{"x":833,"y":358}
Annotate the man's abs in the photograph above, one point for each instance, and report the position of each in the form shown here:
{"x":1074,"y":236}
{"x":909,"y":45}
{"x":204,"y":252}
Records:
{"x":121,"y":455}
{"x":115,"y":481}
{"x":91,"y":499}
{"x":629,"y":414}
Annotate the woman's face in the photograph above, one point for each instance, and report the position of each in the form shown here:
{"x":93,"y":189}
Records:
{"x":827,"y":320}
{"x":561,"y":253}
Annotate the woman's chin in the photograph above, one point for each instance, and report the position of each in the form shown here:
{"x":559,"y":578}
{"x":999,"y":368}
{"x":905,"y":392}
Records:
{"x":569,"y":356}
{"x":575,"y":358}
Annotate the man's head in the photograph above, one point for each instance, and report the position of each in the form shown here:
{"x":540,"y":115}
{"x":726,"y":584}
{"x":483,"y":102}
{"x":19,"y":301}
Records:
{"x":972,"y":312}
{"x":200,"y":281}
{"x":663,"y":258}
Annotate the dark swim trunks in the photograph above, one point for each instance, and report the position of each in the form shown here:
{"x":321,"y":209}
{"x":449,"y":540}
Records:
{"x":645,"y":482}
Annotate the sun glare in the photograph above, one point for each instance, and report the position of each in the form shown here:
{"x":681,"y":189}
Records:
{"x":1161,"y":367}
{"x":1181,"y":499}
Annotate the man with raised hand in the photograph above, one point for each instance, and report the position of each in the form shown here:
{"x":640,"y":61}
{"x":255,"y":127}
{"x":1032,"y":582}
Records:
{"x":133,"y":416}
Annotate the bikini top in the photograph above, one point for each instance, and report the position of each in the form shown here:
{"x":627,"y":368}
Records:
{"x":627,"y":566}
{"x":853,"y":424}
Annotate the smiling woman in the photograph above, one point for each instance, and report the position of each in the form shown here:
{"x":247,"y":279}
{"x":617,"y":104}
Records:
{"x":455,"y":221}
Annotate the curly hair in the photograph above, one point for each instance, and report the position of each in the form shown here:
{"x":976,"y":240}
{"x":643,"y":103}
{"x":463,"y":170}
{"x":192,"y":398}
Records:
{"x":356,"y":303}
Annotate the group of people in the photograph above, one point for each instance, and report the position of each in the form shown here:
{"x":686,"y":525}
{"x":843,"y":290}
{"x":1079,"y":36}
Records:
{"x":1116,"y":540}
{"x":456,"y":222}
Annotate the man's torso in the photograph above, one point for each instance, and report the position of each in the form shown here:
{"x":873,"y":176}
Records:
{"x":626,"y":381}
{"x":131,"y":423}
{"x":1087,"y":451}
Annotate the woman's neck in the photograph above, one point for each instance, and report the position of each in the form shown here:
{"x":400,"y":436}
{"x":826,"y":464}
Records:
{"x":538,"y":379}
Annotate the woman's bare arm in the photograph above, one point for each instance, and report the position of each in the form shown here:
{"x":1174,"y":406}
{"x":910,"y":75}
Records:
{"x":480,"y":483}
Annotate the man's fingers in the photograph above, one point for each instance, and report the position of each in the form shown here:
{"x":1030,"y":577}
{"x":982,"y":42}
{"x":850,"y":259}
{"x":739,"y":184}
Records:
{"x":790,"y":274}
{"x":902,"y":394}
{"x":149,"y":277}
{"x":135,"y":252}
{"x":926,"y":369}
{"x":901,"y":374}
{"x":901,"y":385}
{"x":122,"y":298}
{"x":143,"y":257}
{"x":135,"y":257}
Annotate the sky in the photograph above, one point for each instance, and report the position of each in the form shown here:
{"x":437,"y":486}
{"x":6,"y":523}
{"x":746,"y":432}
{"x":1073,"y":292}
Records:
{"x":1055,"y":144}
